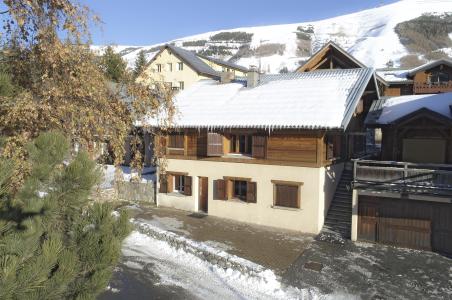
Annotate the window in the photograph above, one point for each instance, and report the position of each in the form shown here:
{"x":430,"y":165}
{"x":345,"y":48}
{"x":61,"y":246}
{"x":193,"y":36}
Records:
{"x":159,"y":68}
{"x":241,"y":144}
{"x":286,"y":194}
{"x":239,"y":189}
{"x":179,"y":183}
{"x":439,"y":77}
{"x":181,"y":85}
{"x":180,"y":66}
{"x":170,"y":67}
{"x":176,"y":141}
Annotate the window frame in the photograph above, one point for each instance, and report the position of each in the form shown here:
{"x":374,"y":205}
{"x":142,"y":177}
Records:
{"x":179,"y":183}
{"x":437,"y":75}
{"x":170,"y":67}
{"x":291,"y":184}
{"x":242,"y":187}
{"x":181,"y":85}
{"x":180,"y":66}
{"x":159,"y":68}
{"x":236,"y":143}
{"x":176,"y":141}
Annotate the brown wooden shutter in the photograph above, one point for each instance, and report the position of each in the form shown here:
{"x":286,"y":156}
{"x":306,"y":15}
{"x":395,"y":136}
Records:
{"x":219,"y":189}
{"x":259,"y":142}
{"x":170,"y":183}
{"x":187,"y":186}
{"x":214,"y":144}
{"x":163,"y":184}
{"x":251,"y":192}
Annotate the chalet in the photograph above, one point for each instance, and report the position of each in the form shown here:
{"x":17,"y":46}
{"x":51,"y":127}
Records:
{"x":431,"y":78}
{"x":179,"y":68}
{"x":404,"y":197}
{"x":268,"y":150}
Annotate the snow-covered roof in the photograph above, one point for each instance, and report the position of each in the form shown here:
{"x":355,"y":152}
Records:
{"x":318,"y":99}
{"x":387,"y":111}
{"x":224,"y":63}
{"x":394,"y":76}
{"x":430,"y":65}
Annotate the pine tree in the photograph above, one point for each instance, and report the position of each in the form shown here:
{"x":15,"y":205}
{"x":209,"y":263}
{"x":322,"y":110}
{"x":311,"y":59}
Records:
{"x":113,"y":65}
{"x":53,"y":243}
{"x":140,"y":64}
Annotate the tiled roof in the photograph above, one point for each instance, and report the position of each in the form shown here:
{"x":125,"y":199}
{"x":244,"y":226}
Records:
{"x":194,"y":61}
{"x":224,"y":63}
{"x":318,"y":99}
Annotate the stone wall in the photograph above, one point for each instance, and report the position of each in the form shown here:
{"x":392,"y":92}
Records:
{"x":136,"y":191}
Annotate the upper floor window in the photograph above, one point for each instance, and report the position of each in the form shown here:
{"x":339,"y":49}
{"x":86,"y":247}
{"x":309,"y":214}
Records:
{"x":180,"y":66}
{"x":439,"y":77}
{"x":159,"y":67}
{"x":241,"y":144}
{"x":170,"y":67}
{"x":176,"y":141}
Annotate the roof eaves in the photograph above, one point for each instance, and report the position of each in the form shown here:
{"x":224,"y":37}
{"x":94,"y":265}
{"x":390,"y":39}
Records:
{"x":429,"y":65}
{"x":356,"y":95}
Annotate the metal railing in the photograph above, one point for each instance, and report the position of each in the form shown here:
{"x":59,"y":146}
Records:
{"x":403,"y":177}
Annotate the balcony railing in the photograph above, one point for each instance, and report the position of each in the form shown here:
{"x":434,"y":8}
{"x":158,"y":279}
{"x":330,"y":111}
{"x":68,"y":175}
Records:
{"x":402,"y":177}
{"x":432,"y":88}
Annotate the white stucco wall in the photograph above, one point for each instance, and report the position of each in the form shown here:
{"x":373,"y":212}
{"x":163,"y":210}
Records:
{"x":309,"y":218}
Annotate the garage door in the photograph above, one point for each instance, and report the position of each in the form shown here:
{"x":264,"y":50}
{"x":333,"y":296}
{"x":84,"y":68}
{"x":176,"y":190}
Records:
{"x":407,"y":223}
{"x":424,"y":151}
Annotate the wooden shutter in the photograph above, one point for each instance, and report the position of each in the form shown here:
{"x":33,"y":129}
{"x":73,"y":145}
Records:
{"x":163,"y":184}
{"x":170,"y":183}
{"x":259,"y":142}
{"x":251,"y":192}
{"x":219,"y":189}
{"x":329,"y":147}
{"x":187,"y":185}
{"x":214,"y":144}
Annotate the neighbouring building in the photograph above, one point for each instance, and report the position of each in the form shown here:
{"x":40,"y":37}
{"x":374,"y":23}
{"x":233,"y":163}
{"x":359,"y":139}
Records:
{"x":431,"y":78}
{"x":179,"y":68}
{"x":404,"y":196}
{"x":269,"y":149}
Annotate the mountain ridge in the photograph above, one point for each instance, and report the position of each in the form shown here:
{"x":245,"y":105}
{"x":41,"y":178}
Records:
{"x":369,"y":35}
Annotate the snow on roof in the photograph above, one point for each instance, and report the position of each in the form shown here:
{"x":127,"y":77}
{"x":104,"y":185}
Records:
{"x":394,"y":76}
{"x":392,"y":109}
{"x":318,"y":99}
{"x":430,"y":65}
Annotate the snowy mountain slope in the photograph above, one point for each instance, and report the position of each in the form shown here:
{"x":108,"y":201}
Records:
{"x":368,"y":35}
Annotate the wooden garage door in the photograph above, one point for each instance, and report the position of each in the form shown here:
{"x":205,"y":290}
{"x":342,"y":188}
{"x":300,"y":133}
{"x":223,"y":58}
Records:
{"x":407,"y":223}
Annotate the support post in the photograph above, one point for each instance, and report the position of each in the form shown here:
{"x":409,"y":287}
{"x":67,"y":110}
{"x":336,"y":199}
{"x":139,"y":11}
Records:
{"x":354,"y":233}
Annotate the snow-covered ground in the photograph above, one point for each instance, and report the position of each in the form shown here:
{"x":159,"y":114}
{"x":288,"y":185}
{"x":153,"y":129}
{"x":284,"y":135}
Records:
{"x":368,"y":35}
{"x":126,"y":174}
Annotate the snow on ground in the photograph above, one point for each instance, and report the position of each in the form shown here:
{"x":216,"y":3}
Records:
{"x":148,"y":175}
{"x":202,"y":279}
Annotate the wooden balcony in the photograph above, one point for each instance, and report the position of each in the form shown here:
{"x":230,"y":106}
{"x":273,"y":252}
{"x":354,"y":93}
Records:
{"x":430,"y":88}
{"x":402,"y":177}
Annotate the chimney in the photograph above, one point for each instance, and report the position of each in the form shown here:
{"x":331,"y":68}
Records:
{"x":226,"y":77}
{"x":252,"y":77}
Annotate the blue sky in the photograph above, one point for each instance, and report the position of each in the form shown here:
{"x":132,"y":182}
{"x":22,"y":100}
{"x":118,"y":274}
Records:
{"x":146,"y":22}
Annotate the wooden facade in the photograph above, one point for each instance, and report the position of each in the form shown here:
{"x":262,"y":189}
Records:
{"x":437,"y":79}
{"x":293,"y":148}
{"x":421,"y":137}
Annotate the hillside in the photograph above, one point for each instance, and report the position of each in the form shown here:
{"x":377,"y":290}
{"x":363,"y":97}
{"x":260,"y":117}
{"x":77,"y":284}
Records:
{"x":380,"y":36}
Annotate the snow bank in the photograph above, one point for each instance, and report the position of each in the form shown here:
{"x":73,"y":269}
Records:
{"x":148,"y":175}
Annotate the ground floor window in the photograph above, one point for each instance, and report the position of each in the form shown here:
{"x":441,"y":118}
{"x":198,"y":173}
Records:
{"x":239,"y":189}
{"x":287,"y":195}
{"x":179,"y":183}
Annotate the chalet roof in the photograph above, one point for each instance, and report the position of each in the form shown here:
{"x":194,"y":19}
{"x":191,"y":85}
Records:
{"x":430,"y":65}
{"x":227,"y":64}
{"x":388,"y":110}
{"x":394,"y":76}
{"x":352,"y":61}
{"x":314,"y":100}
{"x":191,"y":59}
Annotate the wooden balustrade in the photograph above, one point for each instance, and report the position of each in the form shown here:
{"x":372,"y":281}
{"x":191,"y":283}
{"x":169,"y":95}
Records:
{"x":434,"y":179}
{"x":430,"y":88}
